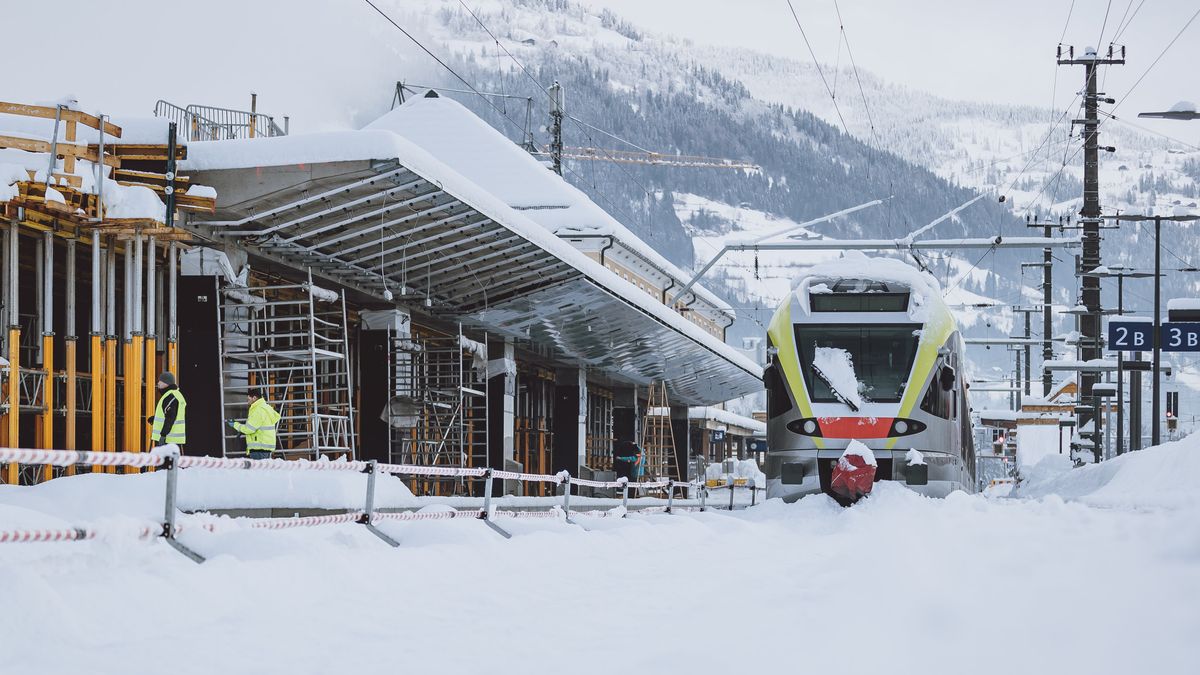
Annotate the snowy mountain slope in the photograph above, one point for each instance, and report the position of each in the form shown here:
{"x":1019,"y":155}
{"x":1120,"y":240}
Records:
{"x":634,"y":79}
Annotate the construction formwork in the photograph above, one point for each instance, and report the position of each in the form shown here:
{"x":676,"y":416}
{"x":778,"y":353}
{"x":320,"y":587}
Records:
{"x":437,"y":414}
{"x":64,"y":170}
{"x":290,"y":342}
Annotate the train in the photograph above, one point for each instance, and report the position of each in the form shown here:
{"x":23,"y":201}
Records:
{"x":865,"y":382}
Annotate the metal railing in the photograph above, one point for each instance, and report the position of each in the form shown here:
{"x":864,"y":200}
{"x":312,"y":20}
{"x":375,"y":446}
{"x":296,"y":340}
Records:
{"x":168,"y":459}
{"x":210,"y":123}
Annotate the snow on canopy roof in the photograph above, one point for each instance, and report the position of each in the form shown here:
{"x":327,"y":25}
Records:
{"x":726,"y":417}
{"x":379,"y":144}
{"x":455,"y":135}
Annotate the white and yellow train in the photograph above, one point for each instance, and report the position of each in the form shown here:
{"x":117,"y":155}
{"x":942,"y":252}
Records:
{"x":865,"y":350}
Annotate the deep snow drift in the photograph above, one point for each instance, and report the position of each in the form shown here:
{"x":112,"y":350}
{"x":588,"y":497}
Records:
{"x":1092,"y":570}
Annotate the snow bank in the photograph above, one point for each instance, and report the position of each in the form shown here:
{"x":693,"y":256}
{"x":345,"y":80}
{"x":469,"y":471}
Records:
{"x":1036,"y":441}
{"x":86,"y":496}
{"x":1165,"y":476}
{"x":742,"y":468}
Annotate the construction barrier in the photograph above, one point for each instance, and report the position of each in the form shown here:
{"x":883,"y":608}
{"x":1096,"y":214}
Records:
{"x":168,"y":459}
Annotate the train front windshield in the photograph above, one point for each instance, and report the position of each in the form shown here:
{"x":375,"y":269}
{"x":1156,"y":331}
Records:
{"x":882,"y":355}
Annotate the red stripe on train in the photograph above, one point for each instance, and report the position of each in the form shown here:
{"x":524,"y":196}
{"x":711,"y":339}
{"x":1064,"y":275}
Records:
{"x":855,"y":427}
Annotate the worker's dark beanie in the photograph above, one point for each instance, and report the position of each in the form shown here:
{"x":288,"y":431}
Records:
{"x":166,"y":378}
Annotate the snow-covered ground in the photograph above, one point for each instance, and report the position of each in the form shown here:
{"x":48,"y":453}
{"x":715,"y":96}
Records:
{"x":1091,"y":570}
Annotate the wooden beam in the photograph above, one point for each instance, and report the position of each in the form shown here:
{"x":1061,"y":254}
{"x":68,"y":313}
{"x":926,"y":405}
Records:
{"x":90,"y":153}
{"x":141,"y":151}
{"x":83,"y":118}
{"x":149,"y":178}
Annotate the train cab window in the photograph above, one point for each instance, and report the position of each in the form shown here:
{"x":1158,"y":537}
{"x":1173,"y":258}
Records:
{"x":882,"y":355}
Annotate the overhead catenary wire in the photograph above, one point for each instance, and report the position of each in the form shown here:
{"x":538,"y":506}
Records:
{"x":820,"y":71}
{"x":1109,"y":115}
{"x":550,"y":96}
{"x":442,"y":63}
{"x":1121,"y":28}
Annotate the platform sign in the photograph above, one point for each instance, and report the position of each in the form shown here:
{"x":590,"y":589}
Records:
{"x":1130,"y":336}
{"x":757,"y":445}
{"x":1178,"y":336}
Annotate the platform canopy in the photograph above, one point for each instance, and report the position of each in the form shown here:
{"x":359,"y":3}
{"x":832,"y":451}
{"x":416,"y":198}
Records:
{"x":374,"y":212}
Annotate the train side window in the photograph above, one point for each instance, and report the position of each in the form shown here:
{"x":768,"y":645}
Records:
{"x":937,"y":400}
{"x":778,"y":399}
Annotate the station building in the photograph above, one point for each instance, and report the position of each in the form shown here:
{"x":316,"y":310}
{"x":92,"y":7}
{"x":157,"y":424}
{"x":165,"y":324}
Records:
{"x":419,"y":291}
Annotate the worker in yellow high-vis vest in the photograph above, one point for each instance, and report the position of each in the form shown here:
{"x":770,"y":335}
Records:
{"x":169,"y":422}
{"x":259,"y":427}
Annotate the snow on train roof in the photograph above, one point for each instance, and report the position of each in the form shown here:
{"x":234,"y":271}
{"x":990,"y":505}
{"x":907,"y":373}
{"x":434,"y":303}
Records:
{"x":452,"y":133}
{"x":923,"y":288}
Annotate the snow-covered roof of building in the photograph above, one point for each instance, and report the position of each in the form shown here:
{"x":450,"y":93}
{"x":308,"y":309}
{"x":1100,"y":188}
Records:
{"x":469,"y":145}
{"x":594,"y":321}
{"x":723,"y":416}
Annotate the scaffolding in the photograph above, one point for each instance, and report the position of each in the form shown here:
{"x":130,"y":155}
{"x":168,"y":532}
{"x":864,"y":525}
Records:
{"x":437,"y":413}
{"x":600,"y":435}
{"x":289,"y":341}
{"x":658,"y":437}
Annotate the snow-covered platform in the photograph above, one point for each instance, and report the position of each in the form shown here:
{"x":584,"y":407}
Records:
{"x":1026,"y":582}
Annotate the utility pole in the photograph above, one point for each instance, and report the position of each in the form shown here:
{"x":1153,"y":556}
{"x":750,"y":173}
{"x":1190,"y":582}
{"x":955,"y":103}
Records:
{"x":1047,"y":266}
{"x":1090,"y":218}
{"x":557,"y":111}
{"x":1028,"y":312}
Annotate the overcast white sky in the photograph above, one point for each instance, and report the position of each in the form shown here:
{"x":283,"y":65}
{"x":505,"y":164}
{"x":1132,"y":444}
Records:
{"x":331,"y":61}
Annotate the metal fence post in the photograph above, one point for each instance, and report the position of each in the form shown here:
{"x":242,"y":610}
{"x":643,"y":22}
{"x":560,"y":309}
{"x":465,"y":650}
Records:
{"x":487,"y":505}
{"x":625,"y":498}
{"x":732,"y":489}
{"x":369,"y":506}
{"x":703,"y":495}
{"x":670,"y":494}
{"x":753,"y":493}
{"x":171,"y":464}
{"x":566,"y":483}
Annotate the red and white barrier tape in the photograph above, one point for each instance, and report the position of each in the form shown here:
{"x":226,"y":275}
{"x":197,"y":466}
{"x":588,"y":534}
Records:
{"x":415,"y":470}
{"x":527,"y":477}
{"x":303,"y":521}
{"x":427,"y":515}
{"x":188,"y":462}
{"x":650,"y":485}
{"x":553,"y":513}
{"x":599,"y":513}
{"x":65,"y":534}
{"x":71,"y":457}
{"x":597,"y":483}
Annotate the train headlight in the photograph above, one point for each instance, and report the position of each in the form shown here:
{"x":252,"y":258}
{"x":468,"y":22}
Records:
{"x":807,"y":426}
{"x":905,"y":427}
